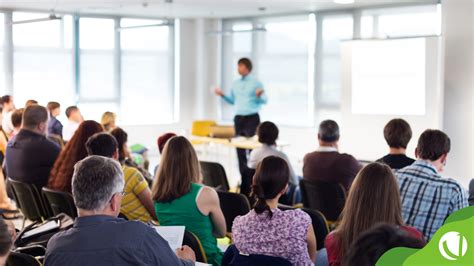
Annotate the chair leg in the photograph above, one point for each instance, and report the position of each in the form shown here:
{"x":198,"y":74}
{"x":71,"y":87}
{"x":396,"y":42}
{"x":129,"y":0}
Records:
{"x":24,"y":220}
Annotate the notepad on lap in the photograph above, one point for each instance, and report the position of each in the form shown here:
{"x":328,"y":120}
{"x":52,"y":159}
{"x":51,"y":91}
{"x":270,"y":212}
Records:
{"x":172,"y":234}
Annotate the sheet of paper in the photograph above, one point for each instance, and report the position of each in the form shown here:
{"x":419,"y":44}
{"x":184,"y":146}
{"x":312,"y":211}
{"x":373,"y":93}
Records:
{"x":43,"y":228}
{"x":197,"y":263}
{"x":172,"y":234}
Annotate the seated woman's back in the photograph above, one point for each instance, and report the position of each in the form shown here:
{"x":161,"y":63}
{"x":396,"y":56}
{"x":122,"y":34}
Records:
{"x":266,"y":230}
{"x":373,"y":198}
{"x":180,"y":200}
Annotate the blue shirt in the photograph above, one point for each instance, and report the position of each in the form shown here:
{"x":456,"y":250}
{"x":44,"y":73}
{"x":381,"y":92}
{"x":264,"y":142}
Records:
{"x":427,"y":198}
{"x":106,"y":240}
{"x":55,"y":127}
{"x":243,"y":96}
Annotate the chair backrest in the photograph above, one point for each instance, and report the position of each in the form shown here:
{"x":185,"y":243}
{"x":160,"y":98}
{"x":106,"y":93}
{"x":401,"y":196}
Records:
{"x":328,"y":198}
{"x":31,"y":202}
{"x":233,"y":257}
{"x":319,"y":222}
{"x":202,"y":128}
{"x":20,"y":259}
{"x":233,"y":205}
{"x":60,"y":202}
{"x":214,"y":175}
{"x":194,"y":243}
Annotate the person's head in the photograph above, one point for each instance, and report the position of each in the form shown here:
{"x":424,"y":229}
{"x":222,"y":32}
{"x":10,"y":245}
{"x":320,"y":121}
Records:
{"x":372,"y":244}
{"x":35,"y":118}
{"x":6,"y":241}
{"x":74,"y":151}
{"x":108,"y":121}
{"x":267,"y":133}
{"x":434,"y":146}
{"x":269,"y":182}
{"x":163,"y":139}
{"x":54,"y":108}
{"x":74,"y":114}
{"x":31,"y":102}
{"x":179,"y":167}
{"x":397,"y":133}
{"x":102,"y":144}
{"x":17,"y":117}
{"x":97,"y":186}
{"x":244,"y":66}
{"x":7,"y":103}
{"x":122,"y":137}
{"x":328,"y":132}
{"x":373,"y":198}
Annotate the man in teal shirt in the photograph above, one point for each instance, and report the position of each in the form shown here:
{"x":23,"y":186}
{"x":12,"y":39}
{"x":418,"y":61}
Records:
{"x":247,"y":96}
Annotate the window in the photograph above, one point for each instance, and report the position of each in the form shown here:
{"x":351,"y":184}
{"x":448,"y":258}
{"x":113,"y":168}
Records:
{"x":147,"y":72}
{"x":43,"y":65}
{"x":283,"y":61}
{"x":334,"y":30}
{"x":285,"y":67}
{"x":96,"y":43}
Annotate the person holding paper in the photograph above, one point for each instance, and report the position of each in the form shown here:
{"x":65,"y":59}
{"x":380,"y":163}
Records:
{"x":98,"y":237}
{"x":247,"y":96}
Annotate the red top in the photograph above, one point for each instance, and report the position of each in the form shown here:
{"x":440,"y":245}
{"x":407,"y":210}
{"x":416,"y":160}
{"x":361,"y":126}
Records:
{"x":332,"y":246}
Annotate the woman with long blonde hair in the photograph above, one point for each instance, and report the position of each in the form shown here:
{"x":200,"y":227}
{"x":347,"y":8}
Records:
{"x":373,"y":198}
{"x":108,"y":121}
{"x":181,"y":200}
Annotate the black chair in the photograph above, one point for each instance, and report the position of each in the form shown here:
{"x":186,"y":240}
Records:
{"x":194,"y":243}
{"x":320,"y":225}
{"x":30,"y":201}
{"x":214,"y":176}
{"x":232,"y":257}
{"x":328,"y":198}
{"x":60,"y":202}
{"x":233,"y":205}
{"x":21,"y":259}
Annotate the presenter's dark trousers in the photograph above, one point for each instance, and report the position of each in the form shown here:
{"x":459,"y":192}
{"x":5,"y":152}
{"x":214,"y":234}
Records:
{"x":246,"y":126}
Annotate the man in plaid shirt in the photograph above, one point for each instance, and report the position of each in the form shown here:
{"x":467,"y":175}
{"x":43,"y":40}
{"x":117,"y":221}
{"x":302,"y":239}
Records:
{"x":428,"y":198}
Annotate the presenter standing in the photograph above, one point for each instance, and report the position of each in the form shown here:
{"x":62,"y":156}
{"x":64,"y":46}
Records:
{"x":247,"y":96}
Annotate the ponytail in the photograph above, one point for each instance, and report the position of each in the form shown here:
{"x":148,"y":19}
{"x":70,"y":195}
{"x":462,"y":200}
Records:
{"x":261,"y":204}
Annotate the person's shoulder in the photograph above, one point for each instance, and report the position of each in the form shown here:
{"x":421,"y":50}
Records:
{"x":298,"y":215}
{"x":57,"y":240}
{"x":347,"y":157}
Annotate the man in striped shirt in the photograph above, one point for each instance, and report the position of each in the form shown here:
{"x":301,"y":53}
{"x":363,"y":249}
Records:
{"x":428,"y":198}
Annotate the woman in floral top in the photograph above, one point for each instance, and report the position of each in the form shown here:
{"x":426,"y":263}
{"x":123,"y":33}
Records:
{"x":266,"y":230}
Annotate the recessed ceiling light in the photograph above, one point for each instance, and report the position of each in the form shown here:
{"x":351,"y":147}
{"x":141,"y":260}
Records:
{"x":344,"y":2}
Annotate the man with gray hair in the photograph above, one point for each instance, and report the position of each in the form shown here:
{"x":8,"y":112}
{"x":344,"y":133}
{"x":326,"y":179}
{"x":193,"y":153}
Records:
{"x":326,"y":163}
{"x":98,"y":237}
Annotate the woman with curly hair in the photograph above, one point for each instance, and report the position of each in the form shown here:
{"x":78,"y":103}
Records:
{"x":74,"y":151}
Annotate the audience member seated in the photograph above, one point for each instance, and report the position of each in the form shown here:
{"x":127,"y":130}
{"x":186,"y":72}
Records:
{"x":471,"y":192}
{"x":371,"y":245}
{"x":373,"y":198}
{"x":55,"y":127}
{"x":108,"y":121}
{"x":98,"y":237}
{"x":161,"y":141}
{"x":74,"y":151}
{"x":31,"y":102}
{"x":74,"y":119}
{"x":326,"y":163}
{"x":136,"y":203}
{"x":397,"y":134}
{"x":30,"y":155}
{"x":7,"y":110}
{"x":428,"y":198}
{"x":267,"y":230}
{"x":124,"y":155}
{"x":17,"y":117}
{"x":267,"y":133}
{"x":180,"y":200}
{"x":6,"y":240}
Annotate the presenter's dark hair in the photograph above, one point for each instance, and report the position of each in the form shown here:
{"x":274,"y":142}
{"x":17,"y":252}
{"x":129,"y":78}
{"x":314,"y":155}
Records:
{"x":397,"y":133}
{"x":246,"y":62}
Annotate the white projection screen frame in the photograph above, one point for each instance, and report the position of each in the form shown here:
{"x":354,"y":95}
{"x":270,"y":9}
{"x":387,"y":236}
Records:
{"x":419,"y":101}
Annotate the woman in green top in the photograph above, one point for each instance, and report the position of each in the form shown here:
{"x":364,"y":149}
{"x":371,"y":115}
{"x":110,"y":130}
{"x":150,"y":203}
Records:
{"x":180,"y":200}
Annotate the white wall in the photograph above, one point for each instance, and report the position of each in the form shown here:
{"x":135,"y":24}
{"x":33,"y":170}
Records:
{"x":458,"y":34}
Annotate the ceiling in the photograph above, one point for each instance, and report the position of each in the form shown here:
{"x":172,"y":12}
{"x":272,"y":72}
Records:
{"x":191,"y":8}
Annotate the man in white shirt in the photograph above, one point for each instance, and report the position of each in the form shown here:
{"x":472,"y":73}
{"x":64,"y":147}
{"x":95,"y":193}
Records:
{"x":75,"y":118}
{"x":7,"y":109}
